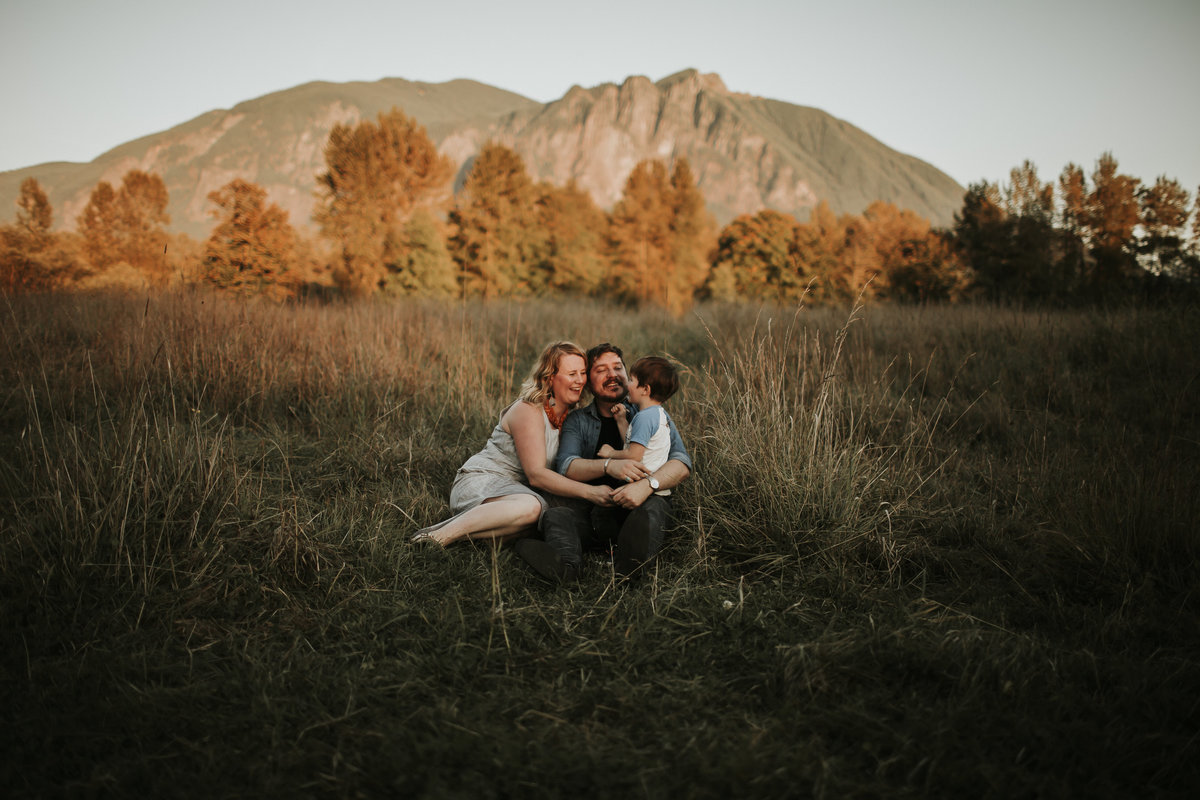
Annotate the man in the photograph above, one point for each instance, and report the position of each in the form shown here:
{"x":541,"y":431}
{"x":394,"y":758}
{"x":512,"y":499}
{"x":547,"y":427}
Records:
{"x":634,"y":526}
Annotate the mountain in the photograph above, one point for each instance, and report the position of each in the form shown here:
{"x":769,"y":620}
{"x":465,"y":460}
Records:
{"x":746,"y":152}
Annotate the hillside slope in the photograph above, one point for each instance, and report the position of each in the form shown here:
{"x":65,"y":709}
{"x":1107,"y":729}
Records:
{"x":747,"y":152}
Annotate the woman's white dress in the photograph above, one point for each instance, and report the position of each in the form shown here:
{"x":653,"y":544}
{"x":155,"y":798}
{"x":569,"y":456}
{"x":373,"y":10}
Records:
{"x":495,"y":471}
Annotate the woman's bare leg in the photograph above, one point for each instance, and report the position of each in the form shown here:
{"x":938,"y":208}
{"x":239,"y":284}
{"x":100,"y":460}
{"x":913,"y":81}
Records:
{"x":497,"y":517}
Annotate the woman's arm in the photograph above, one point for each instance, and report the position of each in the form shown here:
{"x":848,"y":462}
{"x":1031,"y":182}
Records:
{"x":524,"y":422}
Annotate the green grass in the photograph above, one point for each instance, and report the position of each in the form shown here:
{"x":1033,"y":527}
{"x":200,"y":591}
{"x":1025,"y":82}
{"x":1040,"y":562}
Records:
{"x":934,"y":552}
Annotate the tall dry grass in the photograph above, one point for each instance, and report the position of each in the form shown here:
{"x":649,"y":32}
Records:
{"x":921,"y":550}
{"x":141,"y":424}
{"x":793,"y":465}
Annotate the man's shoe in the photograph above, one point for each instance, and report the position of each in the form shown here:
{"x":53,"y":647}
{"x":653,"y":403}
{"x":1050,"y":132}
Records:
{"x":544,"y":561}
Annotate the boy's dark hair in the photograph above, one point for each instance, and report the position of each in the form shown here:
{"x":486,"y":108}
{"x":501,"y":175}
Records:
{"x":658,"y":374}
{"x":601,"y":349}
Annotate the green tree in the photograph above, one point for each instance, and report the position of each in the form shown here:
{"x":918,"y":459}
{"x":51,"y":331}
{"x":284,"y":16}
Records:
{"x":250,"y":250}
{"x":574,"y":260}
{"x":497,"y":241}
{"x":1192,"y":263}
{"x":1195,"y":240}
{"x":1008,"y":235}
{"x":425,"y":267}
{"x":1032,"y":261}
{"x":981,"y":234}
{"x":1162,"y":242}
{"x":377,"y":175}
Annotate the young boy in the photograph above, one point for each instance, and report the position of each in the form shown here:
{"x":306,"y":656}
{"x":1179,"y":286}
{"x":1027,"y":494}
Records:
{"x":647,"y":436}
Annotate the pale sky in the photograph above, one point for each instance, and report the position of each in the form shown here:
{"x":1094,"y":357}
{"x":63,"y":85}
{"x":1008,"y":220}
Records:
{"x":974,"y":88}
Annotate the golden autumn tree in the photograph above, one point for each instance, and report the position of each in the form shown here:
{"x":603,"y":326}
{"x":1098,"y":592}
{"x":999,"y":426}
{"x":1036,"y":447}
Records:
{"x":755,"y":258}
{"x":32,"y":257}
{"x":660,"y":237}
{"x":860,"y":270}
{"x":35,"y":216}
{"x":1111,"y":212}
{"x":817,"y":250}
{"x":128,"y":225}
{"x":693,"y":236}
{"x":917,"y":263}
{"x":573,"y":259}
{"x":640,"y":236}
{"x":377,"y":175}
{"x":910,"y":260}
{"x":496,"y":239}
{"x":251,"y":248}
{"x":98,"y":227}
{"x":1071,"y":215}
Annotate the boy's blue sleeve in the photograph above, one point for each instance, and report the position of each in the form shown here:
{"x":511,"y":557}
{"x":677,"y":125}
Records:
{"x":641,"y":428}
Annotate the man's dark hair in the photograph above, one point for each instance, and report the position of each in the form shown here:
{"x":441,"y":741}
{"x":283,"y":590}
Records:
{"x":658,"y":374}
{"x":601,"y":349}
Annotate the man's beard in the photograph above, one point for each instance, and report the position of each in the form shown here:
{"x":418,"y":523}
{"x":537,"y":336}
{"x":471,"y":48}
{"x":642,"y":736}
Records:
{"x":612,"y":391}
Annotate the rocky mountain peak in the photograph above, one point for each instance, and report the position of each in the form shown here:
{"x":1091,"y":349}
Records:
{"x":747,"y":153}
{"x":694,"y":82}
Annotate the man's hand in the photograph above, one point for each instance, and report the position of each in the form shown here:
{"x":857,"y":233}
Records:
{"x":633,"y":494}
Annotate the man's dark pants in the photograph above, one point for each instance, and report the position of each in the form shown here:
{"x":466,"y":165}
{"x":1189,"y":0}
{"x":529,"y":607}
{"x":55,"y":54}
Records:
{"x":571,"y":527}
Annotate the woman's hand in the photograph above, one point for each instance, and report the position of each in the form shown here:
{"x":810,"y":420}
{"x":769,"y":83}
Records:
{"x":605,"y":451}
{"x":599,"y":495}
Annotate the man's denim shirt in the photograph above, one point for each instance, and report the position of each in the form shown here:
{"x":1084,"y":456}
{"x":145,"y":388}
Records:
{"x":580,"y":435}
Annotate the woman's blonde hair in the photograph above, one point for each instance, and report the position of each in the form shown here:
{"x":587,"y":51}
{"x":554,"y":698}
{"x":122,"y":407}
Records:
{"x":536,"y":386}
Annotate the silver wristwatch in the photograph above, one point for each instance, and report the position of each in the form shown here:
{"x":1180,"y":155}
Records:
{"x":653,"y":482}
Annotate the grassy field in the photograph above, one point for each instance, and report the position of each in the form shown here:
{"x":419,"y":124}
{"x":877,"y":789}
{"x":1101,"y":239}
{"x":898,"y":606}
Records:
{"x":929,"y":552}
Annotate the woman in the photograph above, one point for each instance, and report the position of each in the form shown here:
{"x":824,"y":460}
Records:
{"x":494,"y":495}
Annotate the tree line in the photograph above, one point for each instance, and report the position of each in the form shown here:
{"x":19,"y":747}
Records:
{"x":1080,"y":238}
{"x":390,"y":223}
